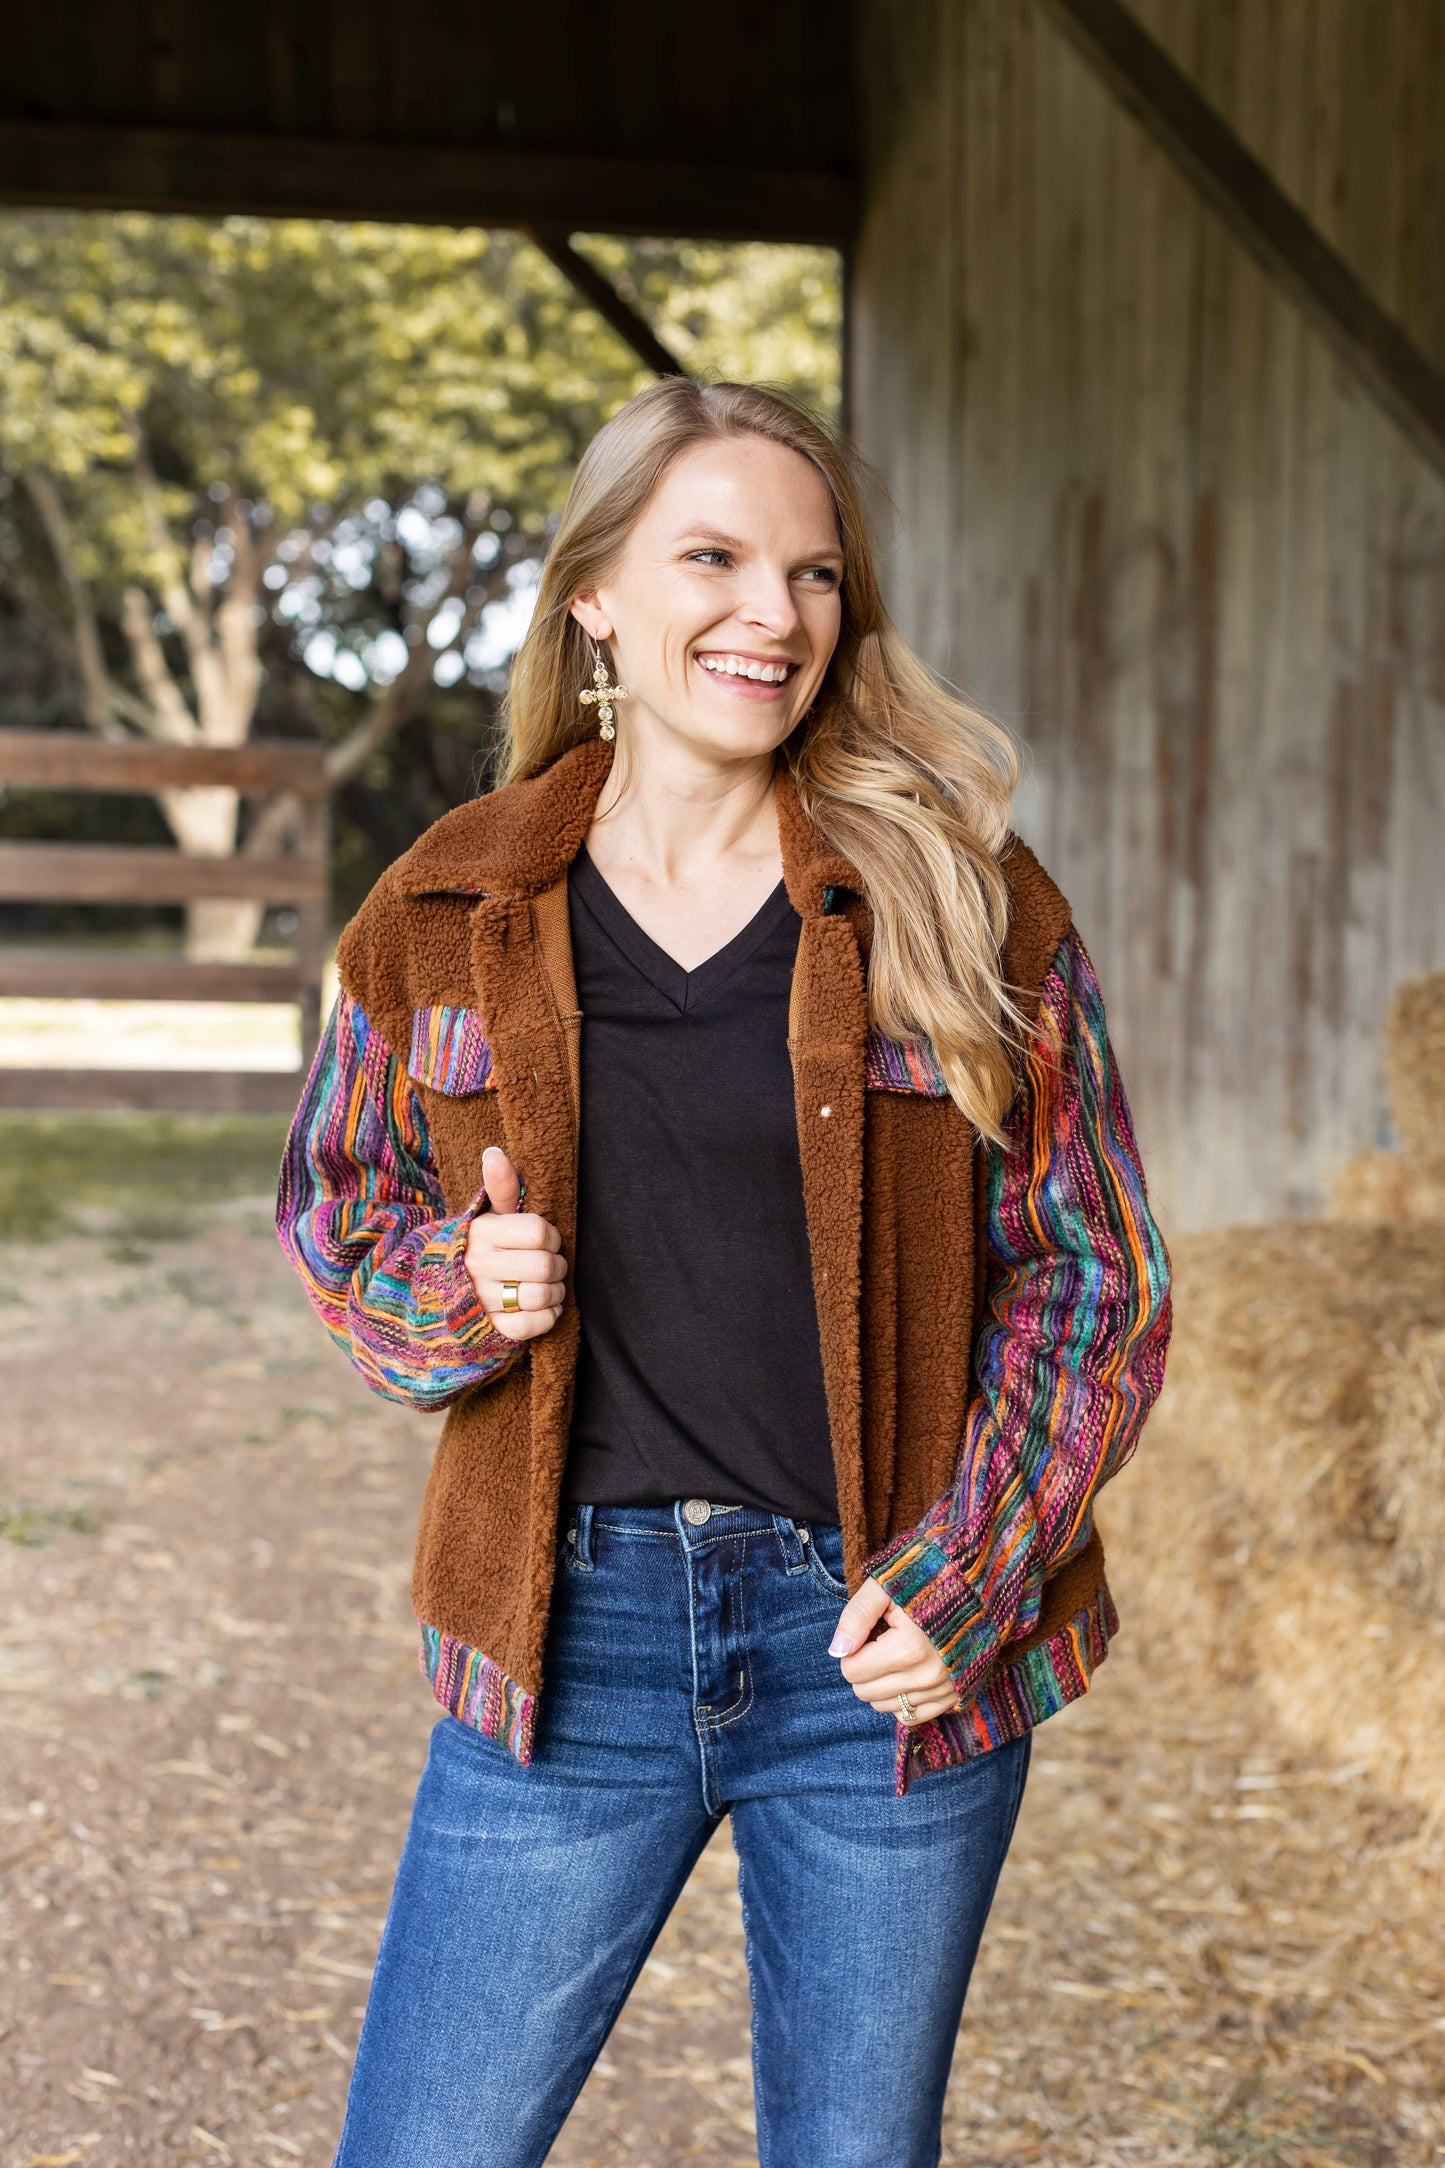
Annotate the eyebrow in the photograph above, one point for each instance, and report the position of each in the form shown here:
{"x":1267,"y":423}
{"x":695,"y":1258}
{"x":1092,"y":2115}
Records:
{"x":731,"y":541}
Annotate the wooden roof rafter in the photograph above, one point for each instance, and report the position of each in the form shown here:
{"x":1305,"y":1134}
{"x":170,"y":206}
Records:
{"x":599,"y":293}
{"x":89,"y":166}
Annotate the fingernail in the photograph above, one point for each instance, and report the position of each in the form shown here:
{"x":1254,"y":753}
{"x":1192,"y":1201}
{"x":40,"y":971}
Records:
{"x":841,"y":1644}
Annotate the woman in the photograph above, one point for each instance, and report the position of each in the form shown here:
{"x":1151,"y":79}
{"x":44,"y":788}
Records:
{"x":718,"y":1120}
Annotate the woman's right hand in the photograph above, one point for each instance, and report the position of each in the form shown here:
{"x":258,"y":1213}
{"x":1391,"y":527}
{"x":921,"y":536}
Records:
{"x":505,"y":1244}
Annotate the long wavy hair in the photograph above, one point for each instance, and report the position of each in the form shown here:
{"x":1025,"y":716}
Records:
{"x":893,"y":767}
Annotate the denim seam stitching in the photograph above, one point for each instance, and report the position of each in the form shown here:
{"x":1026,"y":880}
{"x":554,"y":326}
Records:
{"x":742,"y":1708}
{"x":820,"y":1574}
{"x":764,"y":2135}
{"x":632,"y":1535}
{"x":824,"y":1580}
{"x":701,"y":1724}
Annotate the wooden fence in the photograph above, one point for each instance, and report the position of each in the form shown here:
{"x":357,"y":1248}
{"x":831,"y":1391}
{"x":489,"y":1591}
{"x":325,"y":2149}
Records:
{"x":102,"y":873}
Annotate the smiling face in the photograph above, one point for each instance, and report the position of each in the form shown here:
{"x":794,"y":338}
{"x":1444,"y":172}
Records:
{"x":724,"y":609}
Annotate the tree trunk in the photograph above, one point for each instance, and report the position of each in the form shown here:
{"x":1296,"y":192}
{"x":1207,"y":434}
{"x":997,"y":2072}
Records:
{"x":204,"y":824}
{"x":222,"y":641}
{"x":222,"y":933}
{"x":223,"y":647}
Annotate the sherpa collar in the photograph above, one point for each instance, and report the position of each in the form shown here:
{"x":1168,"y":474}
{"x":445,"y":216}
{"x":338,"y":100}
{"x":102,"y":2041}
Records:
{"x":517,"y":841}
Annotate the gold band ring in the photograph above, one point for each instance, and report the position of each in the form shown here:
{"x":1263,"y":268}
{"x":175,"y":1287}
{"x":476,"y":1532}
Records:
{"x":906,"y":1707}
{"x":510,"y":1299}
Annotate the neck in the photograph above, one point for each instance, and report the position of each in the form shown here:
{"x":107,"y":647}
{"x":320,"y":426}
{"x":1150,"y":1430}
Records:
{"x":672,"y":816}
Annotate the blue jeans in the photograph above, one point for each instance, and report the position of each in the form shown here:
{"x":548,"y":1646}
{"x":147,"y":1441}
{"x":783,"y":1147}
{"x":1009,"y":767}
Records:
{"x":687,"y":1677}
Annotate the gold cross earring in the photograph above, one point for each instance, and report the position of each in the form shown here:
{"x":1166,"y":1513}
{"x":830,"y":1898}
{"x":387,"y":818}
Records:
{"x":601,"y":695}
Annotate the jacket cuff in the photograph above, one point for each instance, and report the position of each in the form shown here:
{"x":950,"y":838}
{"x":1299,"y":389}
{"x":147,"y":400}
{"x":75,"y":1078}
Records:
{"x":449,"y":1291}
{"x":938,"y":1595}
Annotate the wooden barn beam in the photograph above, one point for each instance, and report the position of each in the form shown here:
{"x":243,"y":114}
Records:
{"x":1275,"y":231}
{"x":600,"y":294}
{"x":86,"y":167}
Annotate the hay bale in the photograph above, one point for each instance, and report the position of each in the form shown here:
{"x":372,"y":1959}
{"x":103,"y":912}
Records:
{"x":1410,"y":1469}
{"x":1387,"y":1186}
{"x":1262,"y":1531}
{"x":1361,"y":1676}
{"x":1415,"y":1059}
{"x":1408,"y":1184}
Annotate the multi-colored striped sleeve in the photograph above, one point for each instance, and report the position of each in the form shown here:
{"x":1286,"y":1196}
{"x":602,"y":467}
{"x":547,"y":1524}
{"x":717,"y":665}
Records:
{"x":361,"y":1216}
{"x":1070,"y":1355}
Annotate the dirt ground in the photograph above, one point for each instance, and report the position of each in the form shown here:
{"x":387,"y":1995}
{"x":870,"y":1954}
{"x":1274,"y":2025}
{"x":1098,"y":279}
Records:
{"x":1206,"y":1949}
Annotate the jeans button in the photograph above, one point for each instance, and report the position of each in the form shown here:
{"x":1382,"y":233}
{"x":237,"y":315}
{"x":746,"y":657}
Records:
{"x":697,"y":1511}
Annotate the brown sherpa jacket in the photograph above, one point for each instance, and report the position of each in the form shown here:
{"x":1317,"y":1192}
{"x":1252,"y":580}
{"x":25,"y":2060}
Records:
{"x":457,"y":986}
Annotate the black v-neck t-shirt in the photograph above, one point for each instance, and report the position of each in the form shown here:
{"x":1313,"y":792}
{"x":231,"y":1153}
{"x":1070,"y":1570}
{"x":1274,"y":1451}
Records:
{"x":699,"y":1371}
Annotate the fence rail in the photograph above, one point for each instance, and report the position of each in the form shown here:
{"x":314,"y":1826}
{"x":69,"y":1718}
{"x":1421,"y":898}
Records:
{"x":133,"y":873}
{"x":68,"y":760}
{"x":151,"y":1091}
{"x":105,"y":873}
{"x":147,"y":978}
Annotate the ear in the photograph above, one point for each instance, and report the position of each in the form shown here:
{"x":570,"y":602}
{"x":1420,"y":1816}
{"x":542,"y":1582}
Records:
{"x":590,"y":615}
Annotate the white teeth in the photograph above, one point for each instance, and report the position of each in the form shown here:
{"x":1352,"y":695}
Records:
{"x":766,"y":673}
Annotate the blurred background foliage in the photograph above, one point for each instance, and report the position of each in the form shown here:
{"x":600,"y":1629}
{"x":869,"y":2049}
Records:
{"x":295,"y":478}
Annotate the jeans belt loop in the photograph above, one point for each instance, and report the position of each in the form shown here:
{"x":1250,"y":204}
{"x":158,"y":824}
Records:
{"x":790,"y":1541}
{"x":582,"y":1544}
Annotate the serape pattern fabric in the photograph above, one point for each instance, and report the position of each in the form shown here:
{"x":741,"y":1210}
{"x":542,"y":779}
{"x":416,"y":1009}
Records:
{"x":1068,"y":1362}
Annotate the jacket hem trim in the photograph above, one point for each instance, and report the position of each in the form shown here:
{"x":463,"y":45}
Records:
{"x":477,"y":1691}
{"x":1017,"y":1697}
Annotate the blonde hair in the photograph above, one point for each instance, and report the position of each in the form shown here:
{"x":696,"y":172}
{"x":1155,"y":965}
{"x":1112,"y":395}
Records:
{"x":892,"y":766}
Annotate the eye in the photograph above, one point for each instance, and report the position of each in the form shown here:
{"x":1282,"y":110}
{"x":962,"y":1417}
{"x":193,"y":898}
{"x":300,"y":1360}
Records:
{"x":823,"y":575}
{"x":721,"y":557}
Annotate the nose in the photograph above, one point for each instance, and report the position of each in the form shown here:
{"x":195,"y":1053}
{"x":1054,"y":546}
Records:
{"x":769,"y":602}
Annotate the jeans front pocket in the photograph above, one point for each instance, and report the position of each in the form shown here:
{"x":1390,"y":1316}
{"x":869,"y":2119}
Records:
{"x":825,"y":1560}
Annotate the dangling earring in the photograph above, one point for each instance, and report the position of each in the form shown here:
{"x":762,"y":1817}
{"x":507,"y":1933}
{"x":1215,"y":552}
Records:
{"x":601,"y":695}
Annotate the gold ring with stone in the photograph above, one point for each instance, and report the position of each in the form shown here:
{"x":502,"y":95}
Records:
{"x":906,"y":1708}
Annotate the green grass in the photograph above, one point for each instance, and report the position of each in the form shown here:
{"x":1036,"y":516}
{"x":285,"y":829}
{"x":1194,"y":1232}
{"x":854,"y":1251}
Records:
{"x":150,"y":1177}
{"x":30,"y":1526}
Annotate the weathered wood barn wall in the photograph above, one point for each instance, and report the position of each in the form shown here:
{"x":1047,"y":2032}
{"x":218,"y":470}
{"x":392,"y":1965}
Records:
{"x":1150,"y":521}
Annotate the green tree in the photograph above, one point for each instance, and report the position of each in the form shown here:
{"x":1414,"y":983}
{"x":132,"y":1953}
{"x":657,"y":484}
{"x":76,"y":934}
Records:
{"x":297,"y":476}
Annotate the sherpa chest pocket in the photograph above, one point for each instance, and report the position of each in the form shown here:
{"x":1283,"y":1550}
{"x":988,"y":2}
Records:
{"x":449,"y":1051}
{"x":899,"y":1065}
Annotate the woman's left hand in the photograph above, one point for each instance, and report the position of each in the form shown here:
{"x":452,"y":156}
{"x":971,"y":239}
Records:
{"x":898,"y":1659}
